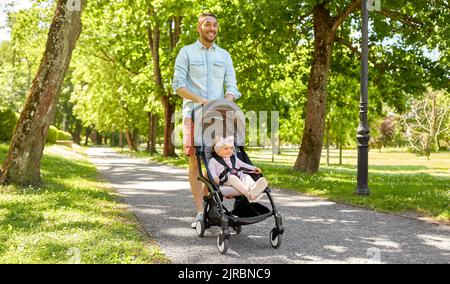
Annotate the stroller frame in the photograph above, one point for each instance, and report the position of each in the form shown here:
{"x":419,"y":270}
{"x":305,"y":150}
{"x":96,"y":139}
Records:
{"x":227,"y":219}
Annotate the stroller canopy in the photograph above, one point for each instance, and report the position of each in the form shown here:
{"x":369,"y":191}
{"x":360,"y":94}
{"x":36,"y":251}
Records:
{"x":218,"y":118}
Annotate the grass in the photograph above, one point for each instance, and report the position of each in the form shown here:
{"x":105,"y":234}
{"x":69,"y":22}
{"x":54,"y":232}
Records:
{"x":73,"y":218}
{"x":400,"y":182}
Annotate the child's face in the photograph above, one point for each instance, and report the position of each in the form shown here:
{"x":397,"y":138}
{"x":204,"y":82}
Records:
{"x":226,"y":151}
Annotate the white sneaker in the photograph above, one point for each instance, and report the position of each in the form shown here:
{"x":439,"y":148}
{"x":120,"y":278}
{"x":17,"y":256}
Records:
{"x":199,"y":217}
{"x":256,"y":191}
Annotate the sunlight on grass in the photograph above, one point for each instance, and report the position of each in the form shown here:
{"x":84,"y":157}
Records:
{"x":399,"y":181}
{"x":72,"y":218}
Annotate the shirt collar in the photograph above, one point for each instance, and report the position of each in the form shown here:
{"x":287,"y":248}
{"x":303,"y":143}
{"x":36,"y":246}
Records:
{"x":200,"y":45}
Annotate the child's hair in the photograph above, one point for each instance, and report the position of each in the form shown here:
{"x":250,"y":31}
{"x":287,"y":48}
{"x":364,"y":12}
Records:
{"x":221,"y":141}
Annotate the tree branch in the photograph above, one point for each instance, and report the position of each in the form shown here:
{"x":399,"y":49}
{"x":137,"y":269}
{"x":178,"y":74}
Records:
{"x":382,"y":66}
{"x":442,"y":120}
{"x":442,"y":3}
{"x":340,"y":19}
{"x":108,"y":58}
{"x":402,"y":18}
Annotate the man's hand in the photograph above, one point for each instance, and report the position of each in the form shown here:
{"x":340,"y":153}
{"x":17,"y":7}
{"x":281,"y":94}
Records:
{"x":258,"y":170}
{"x":217,"y":180}
{"x":229,"y":97}
{"x":203,"y":101}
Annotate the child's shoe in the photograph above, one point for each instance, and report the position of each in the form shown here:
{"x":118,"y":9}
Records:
{"x":257,"y":189}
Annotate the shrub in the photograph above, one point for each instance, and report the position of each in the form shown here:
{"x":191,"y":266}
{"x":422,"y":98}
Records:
{"x":8,"y":120}
{"x":52,"y":135}
{"x":62,"y":135}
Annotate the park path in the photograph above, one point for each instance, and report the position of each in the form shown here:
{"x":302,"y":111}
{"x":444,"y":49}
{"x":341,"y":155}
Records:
{"x":316,"y":230}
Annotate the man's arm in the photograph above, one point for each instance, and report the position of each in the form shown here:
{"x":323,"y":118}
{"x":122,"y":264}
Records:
{"x":229,"y":97}
{"x":179,"y":79}
{"x":187,"y":94}
{"x":230,"y":81}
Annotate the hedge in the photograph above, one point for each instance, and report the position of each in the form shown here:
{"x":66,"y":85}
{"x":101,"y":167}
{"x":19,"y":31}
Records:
{"x":8,"y":120}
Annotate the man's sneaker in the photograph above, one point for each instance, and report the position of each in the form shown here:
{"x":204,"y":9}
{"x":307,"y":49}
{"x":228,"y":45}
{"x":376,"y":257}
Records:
{"x":199,"y":217}
{"x":257,"y":189}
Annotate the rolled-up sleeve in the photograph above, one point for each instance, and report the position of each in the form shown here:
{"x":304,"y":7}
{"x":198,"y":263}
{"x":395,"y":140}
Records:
{"x":230,"y":79}
{"x":181,"y":70}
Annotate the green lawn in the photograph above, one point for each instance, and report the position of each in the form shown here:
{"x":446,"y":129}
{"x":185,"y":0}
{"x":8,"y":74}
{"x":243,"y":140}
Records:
{"x":399,"y":181}
{"x":72,"y":218}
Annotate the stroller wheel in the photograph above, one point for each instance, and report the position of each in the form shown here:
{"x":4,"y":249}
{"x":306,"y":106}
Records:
{"x":200,"y":228}
{"x":237,"y":230}
{"x":275,"y":238}
{"x":222,"y":243}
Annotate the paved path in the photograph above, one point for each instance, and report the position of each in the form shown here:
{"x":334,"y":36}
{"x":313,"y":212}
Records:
{"x":316,"y":230}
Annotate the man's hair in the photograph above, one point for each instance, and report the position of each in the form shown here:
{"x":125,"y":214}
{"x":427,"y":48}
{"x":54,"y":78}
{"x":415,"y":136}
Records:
{"x":206,"y":14}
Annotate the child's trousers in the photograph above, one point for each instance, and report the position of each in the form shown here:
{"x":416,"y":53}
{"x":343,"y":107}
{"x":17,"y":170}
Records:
{"x":242,"y":185}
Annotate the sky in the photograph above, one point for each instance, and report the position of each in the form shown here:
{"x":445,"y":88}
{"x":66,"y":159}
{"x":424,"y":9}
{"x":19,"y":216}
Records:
{"x":17,"y":5}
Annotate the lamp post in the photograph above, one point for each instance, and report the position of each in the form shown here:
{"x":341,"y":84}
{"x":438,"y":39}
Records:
{"x":363,"y":129}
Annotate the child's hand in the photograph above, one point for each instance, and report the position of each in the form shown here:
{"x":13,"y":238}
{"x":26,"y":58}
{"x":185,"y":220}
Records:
{"x":217,"y":180}
{"x":258,"y":170}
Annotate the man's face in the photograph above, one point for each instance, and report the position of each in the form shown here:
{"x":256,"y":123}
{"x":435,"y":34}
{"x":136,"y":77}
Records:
{"x":208,"y":28}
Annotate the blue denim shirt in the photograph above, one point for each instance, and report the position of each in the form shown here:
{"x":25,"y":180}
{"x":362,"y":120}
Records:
{"x":205,"y":72}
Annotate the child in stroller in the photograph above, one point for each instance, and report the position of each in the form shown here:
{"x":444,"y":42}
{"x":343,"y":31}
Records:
{"x":228,"y":170}
{"x":210,"y":121}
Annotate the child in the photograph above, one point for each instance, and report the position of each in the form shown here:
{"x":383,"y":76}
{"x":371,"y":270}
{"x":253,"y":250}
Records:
{"x":227,"y":169}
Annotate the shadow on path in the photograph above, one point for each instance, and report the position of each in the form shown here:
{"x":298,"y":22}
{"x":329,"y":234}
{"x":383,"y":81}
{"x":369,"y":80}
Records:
{"x":317,"y":231}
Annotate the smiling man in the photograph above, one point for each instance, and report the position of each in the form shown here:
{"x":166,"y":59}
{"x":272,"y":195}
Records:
{"x":203,"y":72}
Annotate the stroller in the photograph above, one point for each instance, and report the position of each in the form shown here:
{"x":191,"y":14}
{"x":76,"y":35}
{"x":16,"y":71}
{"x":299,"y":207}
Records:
{"x":211,"y":120}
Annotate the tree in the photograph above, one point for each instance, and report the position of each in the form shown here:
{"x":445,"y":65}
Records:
{"x":164,"y":30}
{"x":112,"y":90}
{"x":22,"y":165}
{"x":417,"y":24}
{"x":325,"y":27}
{"x":21,"y":54}
{"x":427,"y":119}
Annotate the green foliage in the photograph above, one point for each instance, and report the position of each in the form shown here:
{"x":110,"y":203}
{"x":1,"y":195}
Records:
{"x":8,"y":120}
{"x":399,"y":181}
{"x":63,"y":135}
{"x":20,"y":57}
{"x":52,"y":134}
{"x":110,"y":87}
{"x":73,"y":218}
{"x":111,"y":67}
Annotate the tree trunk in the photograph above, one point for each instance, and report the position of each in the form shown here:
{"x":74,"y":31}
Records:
{"x":88,"y":133}
{"x":155,"y":120}
{"x":23,"y":162}
{"x":152,"y":126}
{"x":328,"y":144}
{"x":153,"y":33}
{"x":121,"y":139}
{"x":308,"y":159}
{"x":98,"y":138}
{"x":76,"y":135}
{"x":340,"y":152}
{"x":169,"y":110}
{"x":131,"y":143}
{"x":149,"y":133}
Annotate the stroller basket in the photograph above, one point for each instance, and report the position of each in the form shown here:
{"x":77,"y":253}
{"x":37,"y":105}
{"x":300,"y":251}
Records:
{"x":245,"y":209}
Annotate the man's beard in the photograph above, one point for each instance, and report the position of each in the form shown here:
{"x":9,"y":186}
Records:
{"x":206,"y":38}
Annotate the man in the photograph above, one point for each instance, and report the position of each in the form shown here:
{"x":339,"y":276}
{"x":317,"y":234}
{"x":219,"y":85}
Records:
{"x":202,"y":69}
